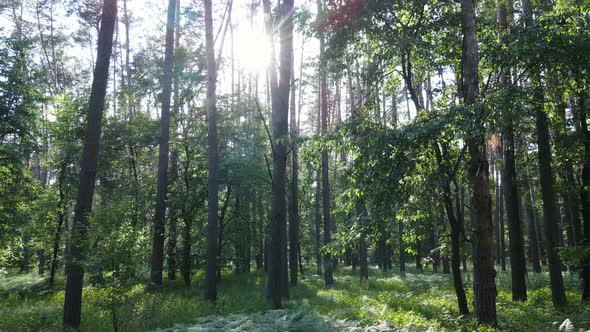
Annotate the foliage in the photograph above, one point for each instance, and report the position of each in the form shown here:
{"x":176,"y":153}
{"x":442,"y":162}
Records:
{"x":415,"y":302}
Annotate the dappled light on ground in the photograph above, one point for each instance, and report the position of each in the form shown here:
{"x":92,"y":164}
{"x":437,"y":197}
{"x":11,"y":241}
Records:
{"x":386,"y":302}
{"x":299,"y":319}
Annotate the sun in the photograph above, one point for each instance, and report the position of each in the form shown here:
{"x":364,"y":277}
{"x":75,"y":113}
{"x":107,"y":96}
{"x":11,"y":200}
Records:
{"x":252,"y":51}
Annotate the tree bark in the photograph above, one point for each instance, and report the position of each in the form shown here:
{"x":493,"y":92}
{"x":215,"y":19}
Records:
{"x":328,"y":277}
{"x":76,"y":250}
{"x":509,"y":183}
{"x":511,"y":196}
{"x":533,"y":241}
{"x":172,"y":238}
{"x":548,"y":195}
{"x":294,"y":199}
{"x":277,"y":272}
{"x":61,"y":215}
{"x":212,"y":153}
{"x":361,"y":212}
{"x":585,"y":192}
{"x":318,"y":222}
{"x":484,"y":274}
{"x":402,"y":250}
{"x":157,"y":260}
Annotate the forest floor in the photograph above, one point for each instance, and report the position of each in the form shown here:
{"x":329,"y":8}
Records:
{"x":387,"y":302}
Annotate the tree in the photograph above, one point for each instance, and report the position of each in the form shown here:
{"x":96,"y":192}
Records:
{"x":509,"y":185}
{"x":277,"y":272}
{"x":157,"y":259}
{"x":293,"y":202}
{"x":77,"y":252}
{"x":550,"y":216}
{"x":323,"y":71}
{"x":212,"y":153}
{"x":484,"y":275}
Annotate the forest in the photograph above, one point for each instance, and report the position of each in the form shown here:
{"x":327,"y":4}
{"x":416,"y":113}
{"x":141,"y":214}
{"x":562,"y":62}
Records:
{"x":294,"y":165}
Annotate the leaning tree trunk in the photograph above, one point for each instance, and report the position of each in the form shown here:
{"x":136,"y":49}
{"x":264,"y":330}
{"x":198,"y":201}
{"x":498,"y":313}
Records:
{"x":76,"y":251}
{"x":212,"y":153}
{"x":157,"y":260}
{"x":456,"y":234}
{"x":484,"y":274}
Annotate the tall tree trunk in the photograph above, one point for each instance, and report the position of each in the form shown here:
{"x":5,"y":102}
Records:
{"x":172,"y":238}
{"x":328,"y":277}
{"x":546,"y":180}
{"x":509,"y":184}
{"x":277,"y":273}
{"x":516,"y":246}
{"x":157,"y":260}
{"x":76,"y":251}
{"x":484,"y":275}
{"x":212,"y":153}
{"x":548,"y":195}
{"x":294,"y":197}
{"x":585,"y":192}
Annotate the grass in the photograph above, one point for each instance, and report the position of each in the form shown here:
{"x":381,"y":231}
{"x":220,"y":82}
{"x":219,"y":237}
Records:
{"x":416,"y":302}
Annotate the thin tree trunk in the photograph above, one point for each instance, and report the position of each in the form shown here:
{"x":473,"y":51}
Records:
{"x":172,"y":238}
{"x":212,"y":153}
{"x":328,"y":277}
{"x":157,"y":260}
{"x":61,"y":214}
{"x":294,"y":198}
{"x":497,"y":200}
{"x":76,"y":252}
{"x":502,"y":232}
{"x":402,"y":250}
{"x":585,"y":192}
{"x":186,"y":247}
{"x":318,"y":222}
{"x":361,"y":212}
{"x":548,"y":195}
{"x":509,"y":184}
{"x":533,"y":241}
{"x":516,"y":246}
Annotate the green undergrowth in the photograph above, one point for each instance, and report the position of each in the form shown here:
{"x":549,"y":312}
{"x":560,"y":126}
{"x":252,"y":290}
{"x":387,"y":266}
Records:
{"x":415,"y":302}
